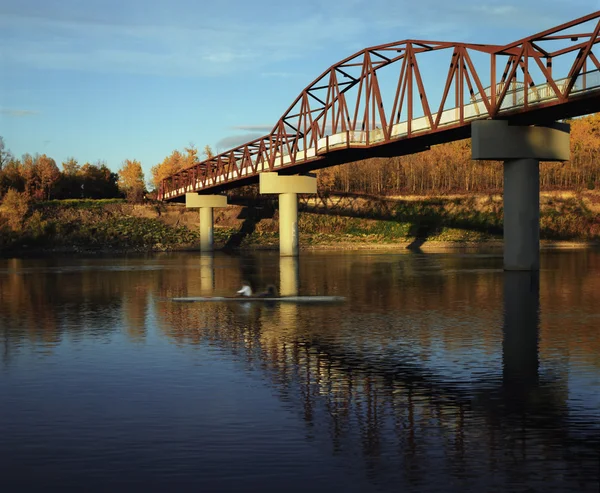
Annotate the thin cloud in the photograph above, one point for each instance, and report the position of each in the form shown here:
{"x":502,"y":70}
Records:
{"x":67,"y":43}
{"x":159,"y":41}
{"x":255,"y":128}
{"x":232,"y":141}
{"x":17,"y":112}
{"x":281,"y":75}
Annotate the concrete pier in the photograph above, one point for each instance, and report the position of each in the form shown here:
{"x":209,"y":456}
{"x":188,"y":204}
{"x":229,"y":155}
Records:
{"x":206,"y":204}
{"x":288,"y":188}
{"x":521,"y":148}
{"x":521,"y":214}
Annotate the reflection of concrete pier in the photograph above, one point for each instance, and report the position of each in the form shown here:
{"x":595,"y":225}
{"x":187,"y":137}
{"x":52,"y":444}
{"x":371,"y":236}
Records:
{"x":207,"y":274}
{"x":289,"y":276}
{"x":521,"y":329}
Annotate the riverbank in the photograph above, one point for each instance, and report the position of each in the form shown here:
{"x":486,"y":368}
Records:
{"x":341,"y":222}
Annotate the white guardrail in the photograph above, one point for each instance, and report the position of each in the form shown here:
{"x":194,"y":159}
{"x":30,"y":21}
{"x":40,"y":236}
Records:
{"x":515,"y":98}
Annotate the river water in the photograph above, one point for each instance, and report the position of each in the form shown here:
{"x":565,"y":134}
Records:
{"x":440,"y":372}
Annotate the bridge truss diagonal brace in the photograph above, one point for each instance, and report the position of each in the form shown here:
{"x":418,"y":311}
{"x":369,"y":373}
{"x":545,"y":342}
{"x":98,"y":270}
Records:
{"x":521,"y":148}
{"x":206,"y":204}
{"x":288,"y":188}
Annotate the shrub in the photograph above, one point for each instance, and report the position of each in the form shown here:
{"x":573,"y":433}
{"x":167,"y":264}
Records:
{"x":14,"y":208}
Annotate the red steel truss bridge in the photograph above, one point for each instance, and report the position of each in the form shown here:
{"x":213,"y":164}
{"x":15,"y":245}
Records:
{"x":403,"y":97}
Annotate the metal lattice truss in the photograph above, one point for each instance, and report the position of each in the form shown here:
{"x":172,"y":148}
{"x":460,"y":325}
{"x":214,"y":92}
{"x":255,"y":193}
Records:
{"x":392,"y":94}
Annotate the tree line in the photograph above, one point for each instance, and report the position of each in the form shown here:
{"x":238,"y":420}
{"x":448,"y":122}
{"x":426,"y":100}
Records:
{"x":444,"y":169}
{"x":38,"y":177}
{"x":448,"y":169}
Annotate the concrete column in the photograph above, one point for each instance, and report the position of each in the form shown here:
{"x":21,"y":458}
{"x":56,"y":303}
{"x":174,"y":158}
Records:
{"x":288,"y":188}
{"x":206,"y":229}
{"x":206,"y":204}
{"x":288,"y":224}
{"x":521,"y":148}
{"x":521,"y":214}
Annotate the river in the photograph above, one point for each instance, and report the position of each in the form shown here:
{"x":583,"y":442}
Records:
{"x":440,"y":372}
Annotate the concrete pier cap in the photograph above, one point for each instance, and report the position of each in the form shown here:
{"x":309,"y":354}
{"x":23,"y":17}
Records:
{"x":196,"y":200}
{"x":205,"y":203}
{"x":498,"y":140}
{"x":288,"y":188}
{"x":521,"y":148}
{"x":274,"y":183}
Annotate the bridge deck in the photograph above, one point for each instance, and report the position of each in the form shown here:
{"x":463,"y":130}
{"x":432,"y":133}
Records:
{"x":309,"y":137}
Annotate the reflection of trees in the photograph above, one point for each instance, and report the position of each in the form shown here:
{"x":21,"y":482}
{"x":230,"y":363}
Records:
{"x":349,"y":378}
{"x":44,"y":301}
{"x":402,"y":424}
{"x":365,"y":380}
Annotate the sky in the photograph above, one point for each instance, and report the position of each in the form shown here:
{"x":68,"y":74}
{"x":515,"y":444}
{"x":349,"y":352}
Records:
{"x":136,"y":79}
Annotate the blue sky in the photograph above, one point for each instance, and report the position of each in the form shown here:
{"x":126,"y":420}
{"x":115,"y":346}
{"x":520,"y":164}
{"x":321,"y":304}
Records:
{"x":135,"y":79}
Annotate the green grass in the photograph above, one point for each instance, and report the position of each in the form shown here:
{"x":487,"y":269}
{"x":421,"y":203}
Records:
{"x":99,"y":225}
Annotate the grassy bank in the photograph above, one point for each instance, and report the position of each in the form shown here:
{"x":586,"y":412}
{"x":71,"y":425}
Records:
{"x":358,"y":220}
{"x":88,"y":225}
{"x":349,"y":221}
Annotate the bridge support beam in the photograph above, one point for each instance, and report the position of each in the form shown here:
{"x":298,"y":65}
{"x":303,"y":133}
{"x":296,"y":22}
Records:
{"x":521,"y":148}
{"x":206,"y":204}
{"x":288,"y":188}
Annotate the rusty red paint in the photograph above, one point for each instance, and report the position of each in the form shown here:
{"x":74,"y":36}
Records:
{"x":323,"y":109}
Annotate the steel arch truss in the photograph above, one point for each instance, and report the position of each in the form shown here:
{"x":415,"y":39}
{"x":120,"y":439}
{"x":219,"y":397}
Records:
{"x":384,"y":94}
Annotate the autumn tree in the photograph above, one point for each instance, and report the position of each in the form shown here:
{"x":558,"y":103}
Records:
{"x":169,"y":166}
{"x":48,"y":174}
{"x":131,"y":180}
{"x":98,"y":181}
{"x":208,"y":152}
{"x":71,"y":166}
{"x":29,"y":173}
{"x":14,"y":208}
{"x":191,"y":156}
{"x":5,"y":155}
{"x":10,"y":177}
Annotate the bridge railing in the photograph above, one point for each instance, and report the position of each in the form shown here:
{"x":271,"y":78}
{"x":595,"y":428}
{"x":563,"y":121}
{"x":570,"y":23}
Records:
{"x":514,"y":99}
{"x":346,"y":107}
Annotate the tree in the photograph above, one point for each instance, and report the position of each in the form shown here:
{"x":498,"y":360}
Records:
{"x":131,"y":180}
{"x":170,"y":165}
{"x":14,"y":208}
{"x":29,"y":172}
{"x":10,"y":177}
{"x":5,"y":155}
{"x":98,"y":181}
{"x":208,"y":152}
{"x":71,"y":166}
{"x":48,"y":174}
{"x":191,"y":156}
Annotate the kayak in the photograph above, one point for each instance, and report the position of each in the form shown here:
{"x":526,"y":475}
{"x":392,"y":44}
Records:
{"x":245,"y":299}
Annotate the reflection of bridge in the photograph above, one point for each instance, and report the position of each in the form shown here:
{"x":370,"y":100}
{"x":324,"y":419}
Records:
{"x":382,"y":102}
{"x":350,"y":111}
{"x":380,"y":407}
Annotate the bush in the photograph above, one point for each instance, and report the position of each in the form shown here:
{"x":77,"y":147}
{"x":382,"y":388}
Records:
{"x":14,"y":208}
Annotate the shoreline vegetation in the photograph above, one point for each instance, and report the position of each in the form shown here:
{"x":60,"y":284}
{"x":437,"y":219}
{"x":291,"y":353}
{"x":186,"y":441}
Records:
{"x":334,"y":222}
{"x":435,"y":198}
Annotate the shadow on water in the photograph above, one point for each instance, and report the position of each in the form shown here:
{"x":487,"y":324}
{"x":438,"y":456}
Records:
{"x":331,"y":383}
{"x":395,"y":415}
